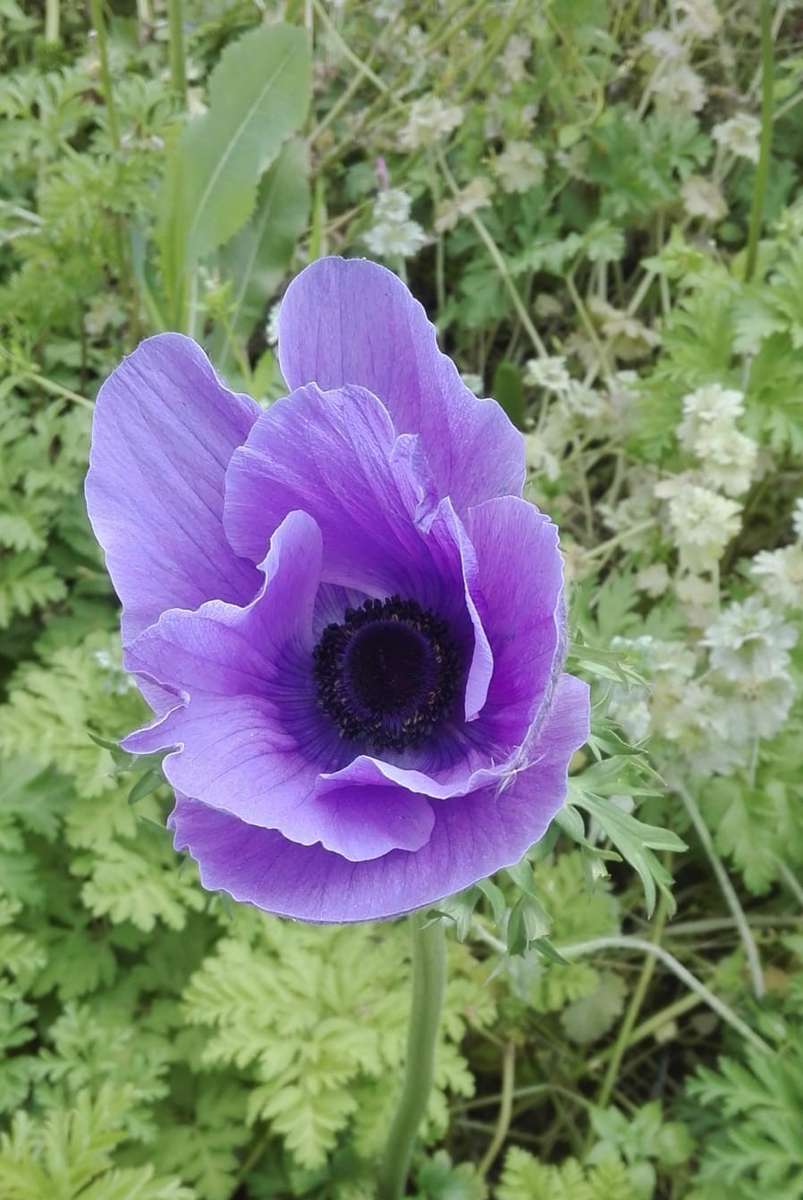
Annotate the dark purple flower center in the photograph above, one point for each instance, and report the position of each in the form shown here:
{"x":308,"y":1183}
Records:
{"x":387,"y":674}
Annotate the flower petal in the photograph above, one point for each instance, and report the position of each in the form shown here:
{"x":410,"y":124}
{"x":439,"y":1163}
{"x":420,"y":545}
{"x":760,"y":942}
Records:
{"x":250,"y":739}
{"x":337,"y":456}
{"x":333,"y":455}
{"x":473,"y":836}
{"x":164,"y":430}
{"x":518,"y":580}
{"x":353,"y":322}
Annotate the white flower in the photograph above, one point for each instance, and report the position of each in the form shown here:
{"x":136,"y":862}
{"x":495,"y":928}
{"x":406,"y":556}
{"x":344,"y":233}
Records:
{"x":703,"y":198}
{"x":540,"y":459}
{"x":546,"y":306}
{"x":514,"y":57}
{"x":698,"y":596}
{"x":797,"y":519}
{"x":749,"y":642}
{"x":475,"y":195}
{"x":520,"y":167}
{"x":629,"y":337}
{"x":700,"y":17}
{"x":622,"y":393}
{"x":393,"y":233}
{"x":585,"y":401}
{"x":681,"y":87}
{"x":709,"y":404}
{"x":728,"y":457}
{"x":759,"y":707}
{"x":702,"y":521}
{"x":654,"y":580}
{"x":196,"y":102}
{"x":473,"y":382}
{"x":429,"y":120}
{"x":636,"y":508}
{"x":629,"y":708}
{"x":780,"y":574}
{"x":549,"y":373}
{"x":104,"y":312}
{"x":663,"y":45}
{"x":272,"y":325}
{"x":740,"y":135}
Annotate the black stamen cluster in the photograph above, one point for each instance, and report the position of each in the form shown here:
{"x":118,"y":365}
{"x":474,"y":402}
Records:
{"x":388,"y":674}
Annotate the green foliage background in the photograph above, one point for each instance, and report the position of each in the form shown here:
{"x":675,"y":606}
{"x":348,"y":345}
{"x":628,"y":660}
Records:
{"x":159,"y":1043}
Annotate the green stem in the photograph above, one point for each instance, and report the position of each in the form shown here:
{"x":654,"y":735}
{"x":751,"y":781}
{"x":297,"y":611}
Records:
{"x":763,"y":168}
{"x":633,"y":1009}
{"x":791,"y":881}
{"x":505,"y":1110}
{"x":653,"y":1024}
{"x":498,"y":261}
{"x":47,"y":385}
{"x":99,"y":25}
{"x":178,"y":70}
{"x":588,"y":324}
{"x":429,"y":983}
{"x":52,"y":15}
{"x":723,"y":1010}
{"x":639,"y":945}
{"x":728,"y":890}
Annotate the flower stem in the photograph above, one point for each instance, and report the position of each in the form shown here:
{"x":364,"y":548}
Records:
{"x":429,"y":984}
{"x":763,"y":168}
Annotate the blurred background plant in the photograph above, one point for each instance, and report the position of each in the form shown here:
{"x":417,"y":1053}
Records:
{"x":586,"y":198}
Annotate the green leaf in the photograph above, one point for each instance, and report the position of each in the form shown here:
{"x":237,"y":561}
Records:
{"x":589,"y":1018}
{"x":508,"y":391}
{"x":634,"y":840}
{"x":258,"y":96}
{"x":257,"y":258}
{"x":148,"y":782}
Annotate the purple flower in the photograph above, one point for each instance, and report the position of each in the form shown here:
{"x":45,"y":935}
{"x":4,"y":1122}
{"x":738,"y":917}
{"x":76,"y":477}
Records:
{"x":347,"y":621}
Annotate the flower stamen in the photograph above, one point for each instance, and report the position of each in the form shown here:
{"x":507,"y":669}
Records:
{"x":388,"y":673}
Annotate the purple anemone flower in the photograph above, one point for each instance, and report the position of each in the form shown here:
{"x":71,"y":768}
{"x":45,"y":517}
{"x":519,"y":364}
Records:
{"x":346,"y":619}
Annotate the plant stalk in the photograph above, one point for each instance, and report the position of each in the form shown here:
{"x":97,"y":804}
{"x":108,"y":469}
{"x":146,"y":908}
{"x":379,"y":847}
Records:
{"x":765,"y":144}
{"x":52,"y":22}
{"x":505,"y":1110}
{"x":429,"y":985}
{"x":99,"y":25}
{"x":633,"y":1009}
{"x":178,"y":68}
{"x":728,"y":890}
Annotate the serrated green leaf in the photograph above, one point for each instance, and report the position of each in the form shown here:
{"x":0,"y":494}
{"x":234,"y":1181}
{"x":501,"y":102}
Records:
{"x":635,"y":841}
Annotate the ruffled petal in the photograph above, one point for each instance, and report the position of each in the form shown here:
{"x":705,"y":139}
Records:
{"x":337,"y":456}
{"x":249,"y":735}
{"x":517,"y":578}
{"x":164,"y":430}
{"x":250,"y":739}
{"x":473,"y":836}
{"x":353,"y":322}
{"x":520,"y":579}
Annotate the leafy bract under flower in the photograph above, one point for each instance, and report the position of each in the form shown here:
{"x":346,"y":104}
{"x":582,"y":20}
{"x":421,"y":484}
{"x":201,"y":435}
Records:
{"x":346,"y":619}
